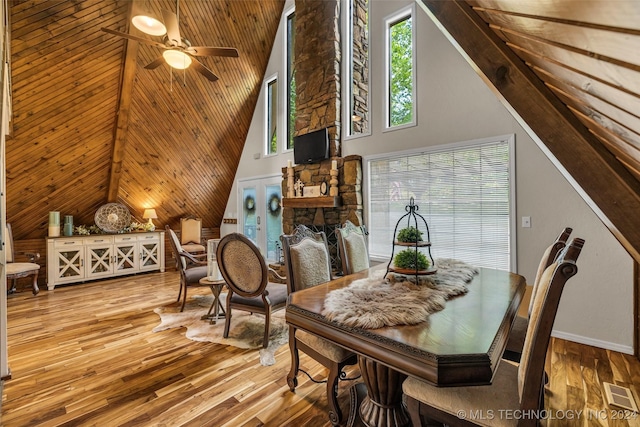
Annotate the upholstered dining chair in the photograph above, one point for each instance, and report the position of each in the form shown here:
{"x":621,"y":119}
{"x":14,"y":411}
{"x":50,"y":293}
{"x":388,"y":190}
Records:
{"x":352,"y":247}
{"x":247,"y":276}
{"x":515,"y":342}
{"x":191,"y":269}
{"x":307,"y":262}
{"x":191,"y":236}
{"x":514,"y":387}
{"x":16,"y":270}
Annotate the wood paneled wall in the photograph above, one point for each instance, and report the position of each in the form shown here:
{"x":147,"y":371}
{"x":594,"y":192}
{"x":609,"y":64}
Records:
{"x":185,"y":133}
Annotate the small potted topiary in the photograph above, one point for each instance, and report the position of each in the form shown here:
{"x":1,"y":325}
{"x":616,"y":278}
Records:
{"x":411,"y":259}
{"x":409,"y":235}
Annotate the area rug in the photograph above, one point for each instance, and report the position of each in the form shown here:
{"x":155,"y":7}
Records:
{"x":376,"y":302}
{"x":247,"y":330}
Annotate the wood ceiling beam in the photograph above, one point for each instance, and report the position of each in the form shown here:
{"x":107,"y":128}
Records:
{"x":608,"y":188}
{"x":124,"y":107}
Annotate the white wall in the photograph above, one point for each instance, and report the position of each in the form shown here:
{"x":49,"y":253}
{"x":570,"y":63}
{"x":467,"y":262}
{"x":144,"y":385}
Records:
{"x":455,"y":105}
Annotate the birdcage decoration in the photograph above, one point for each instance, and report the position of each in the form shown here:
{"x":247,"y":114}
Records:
{"x":411,"y":248}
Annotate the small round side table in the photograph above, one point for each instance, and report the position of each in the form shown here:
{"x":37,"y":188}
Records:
{"x":216,"y":288}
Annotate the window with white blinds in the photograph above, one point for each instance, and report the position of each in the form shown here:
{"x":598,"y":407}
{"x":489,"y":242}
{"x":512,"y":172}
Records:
{"x":464,"y":191}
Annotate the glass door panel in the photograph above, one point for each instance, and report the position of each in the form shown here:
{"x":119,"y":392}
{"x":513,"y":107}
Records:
{"x":260,"y":207}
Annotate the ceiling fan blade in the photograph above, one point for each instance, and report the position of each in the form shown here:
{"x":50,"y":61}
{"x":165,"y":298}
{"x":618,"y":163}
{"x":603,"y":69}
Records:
{"x":155,"y":63}
{"x":204,"y":70}
{"x":171,"y":22}
{"x":212,"y":51}
{"x":134,"y":38}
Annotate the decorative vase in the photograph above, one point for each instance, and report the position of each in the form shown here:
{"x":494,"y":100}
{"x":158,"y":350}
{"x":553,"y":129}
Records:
{"x":54,"y":224}
{"x":68,"y":225}
{"x":213,"y":273}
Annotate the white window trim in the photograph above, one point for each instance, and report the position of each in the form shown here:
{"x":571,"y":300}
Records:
{"x":388,"y":20}
{"x":510,"y":138}
{"x":266,"y":131}
{"x":284,"y":123}
{"x":347,"y":49}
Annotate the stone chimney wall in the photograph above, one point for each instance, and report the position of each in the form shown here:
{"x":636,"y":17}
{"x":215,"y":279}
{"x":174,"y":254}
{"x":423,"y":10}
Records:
{"x":317,"y":73}
{"x":317,"y":69}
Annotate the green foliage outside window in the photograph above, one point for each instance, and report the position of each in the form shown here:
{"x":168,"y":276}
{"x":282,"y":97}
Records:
{"x":291,"y":89}
{"x":401,"y":73}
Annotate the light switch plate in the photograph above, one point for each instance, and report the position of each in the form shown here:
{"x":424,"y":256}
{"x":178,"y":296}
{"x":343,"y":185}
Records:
{"x":526,"y":222}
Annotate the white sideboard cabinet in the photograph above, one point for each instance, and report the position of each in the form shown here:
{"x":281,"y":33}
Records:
{"x":79,"y":258}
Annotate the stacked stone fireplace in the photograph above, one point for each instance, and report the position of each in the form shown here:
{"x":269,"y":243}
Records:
{"x":317,"y":76}
{"x":325,"y":213}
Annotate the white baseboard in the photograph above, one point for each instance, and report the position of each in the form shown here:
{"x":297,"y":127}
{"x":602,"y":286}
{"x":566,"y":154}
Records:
{"x":593,"y":342}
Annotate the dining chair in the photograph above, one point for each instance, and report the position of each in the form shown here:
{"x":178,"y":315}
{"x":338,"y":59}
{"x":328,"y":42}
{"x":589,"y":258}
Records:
{"x":515,"y":341}
{"x":515,"y":389}
{"x":16,"y":270}
{"x":191,"y":236}
{"x":245,"y":271}
{"x":307,"y":263}
{"x":191,"y":269}
{"x":352,"y":247}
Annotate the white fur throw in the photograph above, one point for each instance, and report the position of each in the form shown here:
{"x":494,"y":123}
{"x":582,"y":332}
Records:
{"x":375,"y":302}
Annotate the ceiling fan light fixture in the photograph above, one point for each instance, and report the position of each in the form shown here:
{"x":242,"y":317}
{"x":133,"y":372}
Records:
{"x":177,"y":59}
{"x":149,"y":25}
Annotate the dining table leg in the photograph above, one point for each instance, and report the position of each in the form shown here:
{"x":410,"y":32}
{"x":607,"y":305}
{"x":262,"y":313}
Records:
{"x":382,"y":405}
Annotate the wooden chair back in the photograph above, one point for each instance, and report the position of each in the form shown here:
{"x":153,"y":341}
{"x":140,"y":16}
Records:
{"x":352,"y":247}
{"x":306,"y":258}
{"x":549,"y":256}
{"x":543,"y":314}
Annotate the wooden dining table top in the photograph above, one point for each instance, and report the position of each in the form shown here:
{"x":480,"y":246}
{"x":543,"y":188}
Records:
{"x":459,"y":345}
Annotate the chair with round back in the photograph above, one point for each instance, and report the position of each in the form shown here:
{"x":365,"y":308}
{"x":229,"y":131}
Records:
{"x":307,"y":261}
{"x":191,"y":269}
{"x":247,"y":276}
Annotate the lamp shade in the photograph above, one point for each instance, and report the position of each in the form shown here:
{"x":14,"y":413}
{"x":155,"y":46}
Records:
{"x":149,"y":214}
{"x":177,"y":59}
{"x":149,"y":25}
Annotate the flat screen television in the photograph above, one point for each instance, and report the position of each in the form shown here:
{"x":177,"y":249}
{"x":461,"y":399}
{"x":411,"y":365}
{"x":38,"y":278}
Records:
{"x":312,"y":147}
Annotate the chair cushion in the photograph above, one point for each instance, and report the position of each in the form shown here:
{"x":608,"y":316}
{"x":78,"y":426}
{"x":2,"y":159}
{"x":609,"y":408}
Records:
{"x":487,"y":404}
{"x":310,"y":261}
{"x":194,"y":248}
{"x":326,"y":348}
{"x":356,"y":251}
{"x":21,"y":267}
{"x":194,"y":274}
{"x":277,"y":296}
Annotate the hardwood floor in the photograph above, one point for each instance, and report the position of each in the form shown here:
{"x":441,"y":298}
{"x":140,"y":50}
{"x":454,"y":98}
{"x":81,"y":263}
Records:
{"x":86,"y":355}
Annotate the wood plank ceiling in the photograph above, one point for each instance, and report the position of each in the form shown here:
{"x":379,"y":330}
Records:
{"x":570,"y":70}
{"x":185,"y":134}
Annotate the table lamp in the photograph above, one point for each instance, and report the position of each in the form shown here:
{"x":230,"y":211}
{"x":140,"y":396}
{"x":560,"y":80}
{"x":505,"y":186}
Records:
{"x":150,"y":214}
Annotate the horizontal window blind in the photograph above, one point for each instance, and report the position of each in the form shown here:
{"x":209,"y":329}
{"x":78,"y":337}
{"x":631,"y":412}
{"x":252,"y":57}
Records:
{"x":462,"y":192}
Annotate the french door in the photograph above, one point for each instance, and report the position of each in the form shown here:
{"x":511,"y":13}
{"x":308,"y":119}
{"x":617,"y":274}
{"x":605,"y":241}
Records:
{"x":260,"y":213}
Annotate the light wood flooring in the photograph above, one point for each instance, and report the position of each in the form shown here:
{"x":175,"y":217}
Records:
{"x":85,"y":355}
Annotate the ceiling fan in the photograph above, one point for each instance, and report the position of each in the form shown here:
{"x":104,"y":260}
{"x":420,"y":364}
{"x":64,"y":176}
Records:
{"x":178,"y":52}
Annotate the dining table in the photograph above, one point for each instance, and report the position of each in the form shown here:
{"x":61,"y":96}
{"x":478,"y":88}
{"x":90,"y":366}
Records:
{"x":459,"y":345}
